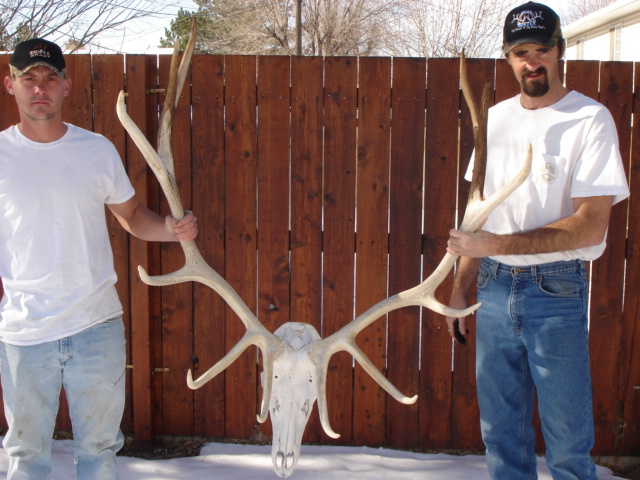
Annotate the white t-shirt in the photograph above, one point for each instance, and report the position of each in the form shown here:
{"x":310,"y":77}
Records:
{"x":56,"y":262}
{"x":575,"y":154}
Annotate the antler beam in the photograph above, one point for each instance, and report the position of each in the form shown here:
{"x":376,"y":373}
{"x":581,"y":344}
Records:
{"x":423,"y":295}
{"x":196,"y":268}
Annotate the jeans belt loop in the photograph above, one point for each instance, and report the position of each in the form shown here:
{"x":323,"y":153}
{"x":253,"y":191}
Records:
{"x":534,"y":274}
{"x":495,"y":266}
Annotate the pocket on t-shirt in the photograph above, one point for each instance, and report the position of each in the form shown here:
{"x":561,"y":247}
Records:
{"x":550,"y":172}
{"x":550,"y":178}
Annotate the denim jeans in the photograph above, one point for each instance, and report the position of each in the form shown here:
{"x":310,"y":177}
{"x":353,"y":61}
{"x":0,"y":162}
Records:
{"x":532,"y":331}
{"x":90,"y":365}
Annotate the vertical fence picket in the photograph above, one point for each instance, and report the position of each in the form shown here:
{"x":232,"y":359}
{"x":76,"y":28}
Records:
{"x":207,"y":139}
{"x":605,"y":333}
{"x":339,"y":223}
{"x":240,"y":249}
{"x":177,"y":300}
{"x":78,"y":105}
{"x":273,"y":190}
{"x":583,"y":77}
{"x":141,"y":297}
{"x":372,"y":240}
{"x":306,"y":200}
{"x":405,"y":245}
{"x":273,"y":134}
{"x":629,"y":397}
{"x":440,"y":187}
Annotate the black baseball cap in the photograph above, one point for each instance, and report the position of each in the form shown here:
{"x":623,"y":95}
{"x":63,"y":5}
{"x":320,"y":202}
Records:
{"x":531,"y":22}
{"x":37,"y":51}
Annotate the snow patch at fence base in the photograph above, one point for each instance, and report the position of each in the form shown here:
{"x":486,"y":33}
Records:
{"x":250,"y":462}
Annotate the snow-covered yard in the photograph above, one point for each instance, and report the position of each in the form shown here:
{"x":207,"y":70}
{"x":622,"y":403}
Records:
{"x":248,"y":462}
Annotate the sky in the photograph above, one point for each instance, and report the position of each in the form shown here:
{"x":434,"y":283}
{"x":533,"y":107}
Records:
{"x":248,"y":462}
{"x":143,"y":36}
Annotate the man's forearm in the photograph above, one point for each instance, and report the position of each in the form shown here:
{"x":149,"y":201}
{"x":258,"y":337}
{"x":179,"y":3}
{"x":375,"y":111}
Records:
{"x":466,"y":274}
{"x":585,"y":228}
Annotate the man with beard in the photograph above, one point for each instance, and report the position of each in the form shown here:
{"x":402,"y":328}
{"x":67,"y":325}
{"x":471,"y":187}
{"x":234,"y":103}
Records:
{"x":529,"y":258}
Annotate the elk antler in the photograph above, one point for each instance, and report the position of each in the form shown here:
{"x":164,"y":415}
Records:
{"x":476,"y":213}
{"x":320,"y":351}
{"x":196,"y":268}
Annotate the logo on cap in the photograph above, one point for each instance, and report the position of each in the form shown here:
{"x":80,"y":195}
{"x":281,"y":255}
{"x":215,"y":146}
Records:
{"x":39,"y":50}
{"x":528,"y":19}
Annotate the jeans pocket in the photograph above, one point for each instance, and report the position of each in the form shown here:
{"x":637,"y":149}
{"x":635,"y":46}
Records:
{"x":566,"y":285}
{"x":483,"y":278}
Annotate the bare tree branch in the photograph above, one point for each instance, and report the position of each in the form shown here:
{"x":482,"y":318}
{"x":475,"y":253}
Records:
{"x":330,"y":27}
{"x":576,"y":9}
{"x":74,"y":22}
{"x":443,"y":28}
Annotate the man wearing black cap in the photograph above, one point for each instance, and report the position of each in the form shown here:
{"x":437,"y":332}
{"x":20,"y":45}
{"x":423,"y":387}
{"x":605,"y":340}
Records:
{"x":60,"y":317}
{"x":529,"y":259}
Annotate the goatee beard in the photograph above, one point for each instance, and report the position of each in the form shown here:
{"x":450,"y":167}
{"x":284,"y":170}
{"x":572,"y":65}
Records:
{"x":535,"y":88}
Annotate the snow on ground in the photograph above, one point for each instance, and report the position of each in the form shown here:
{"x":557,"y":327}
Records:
{"x":249,"y":462}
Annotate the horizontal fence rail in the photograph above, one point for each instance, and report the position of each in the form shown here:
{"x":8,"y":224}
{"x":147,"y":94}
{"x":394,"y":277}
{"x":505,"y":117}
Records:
{"x":322,"y":186}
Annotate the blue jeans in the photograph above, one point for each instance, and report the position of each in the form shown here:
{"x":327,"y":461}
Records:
{"x":532,"y":331}
{"x":91,"y":366}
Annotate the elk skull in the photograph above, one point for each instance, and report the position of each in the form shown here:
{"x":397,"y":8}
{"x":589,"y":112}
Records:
{"x":295,"y":358}
{"x":293,"y":392}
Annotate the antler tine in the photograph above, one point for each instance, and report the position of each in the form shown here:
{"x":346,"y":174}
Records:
{"x":423,"y":294}
{"x":479,"y":118}
{"x":196,"y":268}
{"x":186,"y":60}
{"x":270,"y":347}
{"x":177,"y":78}
{"x":322,"y":351}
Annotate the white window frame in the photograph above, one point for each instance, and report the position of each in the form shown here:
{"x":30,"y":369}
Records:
{"x":616,"y":42}
{"x":580,"y":44}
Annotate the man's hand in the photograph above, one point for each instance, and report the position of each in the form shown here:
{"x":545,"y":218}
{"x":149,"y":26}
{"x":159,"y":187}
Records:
{"x":185,"y":229}
{"x":473,"y":244}
{"x":457,"y":327}
{"x":466,"y":274}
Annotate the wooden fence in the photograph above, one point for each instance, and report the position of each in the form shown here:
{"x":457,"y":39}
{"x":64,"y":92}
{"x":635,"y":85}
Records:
{"x":323,"y":185}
